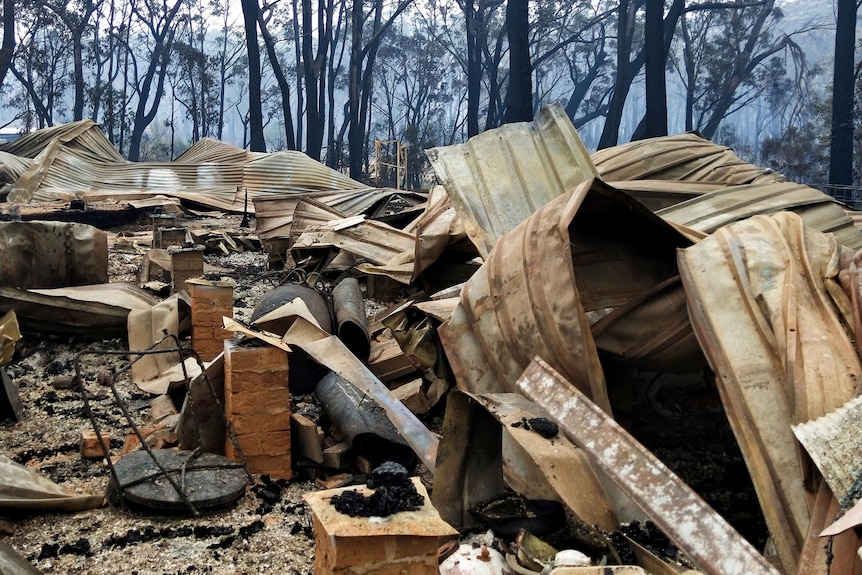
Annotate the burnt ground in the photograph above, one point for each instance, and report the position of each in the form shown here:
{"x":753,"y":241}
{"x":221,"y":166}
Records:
{"x":678,"y":417}
{"x":269,"y":529}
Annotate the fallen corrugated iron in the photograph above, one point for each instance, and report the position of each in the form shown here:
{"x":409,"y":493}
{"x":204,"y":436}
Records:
{"x":658,"y":194}
{"x":84,"y":137}
{"x":202,"y":421}
{"x":294,"y":171}
{"x":684,"y":157}
{"x":591,"y":249}
{"x":12,"y":167}
{"x":274,"y":212}
{"x":708,"y":212}
{"x":208,"y":150}
{"x":98,"y":309}
{"x":687,"y":520}
{"x":500,"y":177}
{"x":438,"y":230}
{"x":22,"y":488}
{"x":834,"y":442}
{"x":52,"y":254}
{"x":764,"y":303}
{"x":76,"y":161}
{"x":318,"y":226}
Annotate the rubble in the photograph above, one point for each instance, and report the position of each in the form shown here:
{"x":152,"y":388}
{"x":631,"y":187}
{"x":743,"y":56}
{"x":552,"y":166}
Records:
{"x":543,"y":304}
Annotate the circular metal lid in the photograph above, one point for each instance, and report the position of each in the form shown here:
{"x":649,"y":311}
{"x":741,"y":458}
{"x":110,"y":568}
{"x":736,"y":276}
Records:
{"x":209,"y":481}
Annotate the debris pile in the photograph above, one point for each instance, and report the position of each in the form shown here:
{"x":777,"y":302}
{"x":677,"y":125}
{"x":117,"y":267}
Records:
{"x":644,"y":361}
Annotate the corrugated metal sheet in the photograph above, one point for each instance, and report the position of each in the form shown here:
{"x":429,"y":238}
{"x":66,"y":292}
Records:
{"x":315,"y":226}
{"x":500,"y":177}
{"x":682,"y":157}
{"x":77,"y":161}
{"x":274,"y":212}
{"x":589,"y":249}
{"x":12,"y":167}
{"x":834,"y":442}
{"x":710,"y":211}
{"x":85,"y":137}
{"x":296,"y":172}
{"x":212,"y":150}
{"x":658,"y":194}
{"x":762,"y":296}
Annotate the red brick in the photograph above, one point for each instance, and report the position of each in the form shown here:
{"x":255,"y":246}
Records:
{"x":260,"y":423}
{"x":260,"y":402}
{"x":265,"y":443}
{"x":276,"y":466}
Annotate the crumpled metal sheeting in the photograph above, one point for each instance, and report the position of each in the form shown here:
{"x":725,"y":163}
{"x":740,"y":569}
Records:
{"x":12,"y":167}
{"x":76,"y":161}
{"x":62,"y":174}
{"x":684,"y":157}
{"x":274,"y":212}
{"x":710,"y":211}
{"x":294,"y":171}
{"x":762,"y":308}
{"x":212,"y":150}
{"x":834,"y":442}
{"x":523,"y":302}
{"x":84,"y":137}
{"x":500,"y":177}
{"x":587,"y":250}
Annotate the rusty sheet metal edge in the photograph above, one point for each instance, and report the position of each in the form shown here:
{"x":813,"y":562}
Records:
{"x":489,"y":345}
{"x":500,"y":177}
{"x":712,"y":544}
{"x":757,"y":293}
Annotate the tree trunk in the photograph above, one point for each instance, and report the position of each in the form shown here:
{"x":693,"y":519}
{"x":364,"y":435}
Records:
{"x":655,"y":118}
{"x":841,"y":145}
{"x":283,"y":84}
{"x":519,"y":95}
{"x":255,"y":109}
{"x":7,"y":49}
{"x":474,"y":67}
{"x":610,"y":132}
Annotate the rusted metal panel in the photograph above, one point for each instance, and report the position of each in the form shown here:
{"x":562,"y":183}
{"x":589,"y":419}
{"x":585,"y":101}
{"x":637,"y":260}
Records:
{"x":708,"y":212}
{"x":96,"y":309}
{"x":590,"y":249}
{"x":315,"y":226}
{"x":52,"y":254}
{"x":76,"y":161}
{"x":658,"y":194}
{"x":762,"y":307}
{"x":687,"y":520}
{"x":274,"y":212}
{"x":683,"y":157}
{"x":500,"y":177}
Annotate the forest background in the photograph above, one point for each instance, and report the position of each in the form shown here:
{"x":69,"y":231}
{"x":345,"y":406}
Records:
{"x":776,"y":80}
